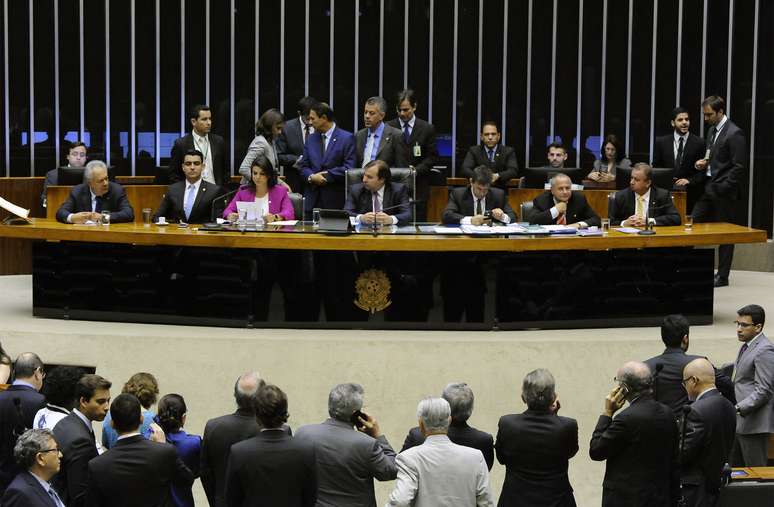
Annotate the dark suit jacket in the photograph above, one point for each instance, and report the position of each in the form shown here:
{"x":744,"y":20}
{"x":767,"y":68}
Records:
{"x":291,"y":143}
{"x":114,"y":201}
{"x":504,"y":163}
{"x":52,"y":178}
{"x":30,"y":401}
{"x":709,"y":435}
{"x":271,"y":469}
{"x":461,"y":434}
{"x":78,"y":448}
{"x":640,"y":446}
{"x":660,"y":207}
{"x":360,"y":200}
{"x":221,"y":173}
{"x":392,"y":148}
{"x":338,"y":157}
{"x":693,"y":150}
{"x":535,"y":448}
{"x":461,"y":204}
{"x":26,"y":491}
{"x":136,"y":472}
{"x":728,"y":159}
{"x":171,"y":205}
{"x":423,"y":134}
{"x":578,"y":210}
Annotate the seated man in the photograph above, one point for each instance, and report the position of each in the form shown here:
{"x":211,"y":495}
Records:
{"x":89,"y":200}
{"x":367,"y":201}
{"x":562,"y":206}
{"x":189,"y":200}
{"x":499,"y":158}
{"x":472,"y":205}
{"x":76,"y":157}
{"x":642,"y":202}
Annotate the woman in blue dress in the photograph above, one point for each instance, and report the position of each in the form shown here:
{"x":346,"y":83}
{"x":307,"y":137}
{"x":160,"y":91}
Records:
{"x":171,"y":418}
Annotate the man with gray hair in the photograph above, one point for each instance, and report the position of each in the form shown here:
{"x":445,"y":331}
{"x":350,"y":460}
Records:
{"x":90,"y":200}
{"x":640,"y":444}
{"x":439,"y":473}
{"x":536,"y":446}
{"x":38,"y":455}
{"x":350,"y":451}
{"x":561,"y":205}
{"x":379,"y":140}
{"x":460,"y":398}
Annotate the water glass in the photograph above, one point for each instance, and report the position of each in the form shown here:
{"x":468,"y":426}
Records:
{"x":146,"y":216}
{"x":316,"y":217}
{"x":688,"y":222}
{"x":105,"y":218}
{"x":605,"y":225}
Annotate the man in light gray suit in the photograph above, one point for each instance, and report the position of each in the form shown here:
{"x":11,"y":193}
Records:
{"x":440,"y":473}
{"x":753,"y":385}
{"x":348,"y":460}
{"x":379,"y":141}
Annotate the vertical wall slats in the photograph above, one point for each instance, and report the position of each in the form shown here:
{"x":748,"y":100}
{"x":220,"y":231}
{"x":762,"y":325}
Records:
{"x":31,"y":137}
{"x":528,"y":108}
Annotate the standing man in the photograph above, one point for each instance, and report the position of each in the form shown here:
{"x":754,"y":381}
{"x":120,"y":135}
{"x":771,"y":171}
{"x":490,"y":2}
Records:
{"x":98,"y":194}
{"x":490,"y":153}
{"x":76,"y":157}
{"x":724,"y":165}
{"x":753,"y":384}
{"x":378,"y":140}
{"x":563,"y":206}
{"x":210,"y":145}
{"x":420,"y":138}
{"x":367,"y":201}
{"x":189,"y":201}
{"x":290,"y":145}
{"x":643,"y":203}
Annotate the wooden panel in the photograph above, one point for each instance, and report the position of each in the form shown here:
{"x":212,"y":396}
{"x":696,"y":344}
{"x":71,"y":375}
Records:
{"x":15,"y":254}
{"x":140,"y":196}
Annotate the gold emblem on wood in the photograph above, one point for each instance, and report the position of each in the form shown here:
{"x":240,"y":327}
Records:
{"x":373,"y":291}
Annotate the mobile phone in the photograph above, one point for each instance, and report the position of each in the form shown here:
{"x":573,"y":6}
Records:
{"x":624,"y":388}
{"x":354,"y":419}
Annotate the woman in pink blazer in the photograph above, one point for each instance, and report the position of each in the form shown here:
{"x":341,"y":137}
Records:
{"x":263,"y":186}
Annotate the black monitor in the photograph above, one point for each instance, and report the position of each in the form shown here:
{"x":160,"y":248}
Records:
{"x":74,"y":175}
{"x":537,"y":177}
{"x":662,"y":177}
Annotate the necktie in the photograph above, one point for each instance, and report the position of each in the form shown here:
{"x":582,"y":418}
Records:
{"x":713,"y":134}
{"x":322,"y":144}
{"x":491,"y":155}
{"x":377,"y":206}
{"x":189,"y":201}
{"x":368,"y":148}
{"x":406,"y":132}
{"x":679,"y":157}
{"x":479,"y":211}
{"x":742,"y":350}
{"x":640,"y":212}
{"x":98,"y":204}
{"x":562,"y":219}
{"x":57,"y":501}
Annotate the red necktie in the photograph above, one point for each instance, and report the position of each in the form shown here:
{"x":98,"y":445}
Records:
{"x":562,"y":219}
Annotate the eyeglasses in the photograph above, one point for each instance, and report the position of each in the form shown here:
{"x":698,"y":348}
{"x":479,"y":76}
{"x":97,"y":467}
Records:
{"x":42,"y":373}
{"x":685,"y":380}
{"x":43,"y":451}
{"x":743,"y":324}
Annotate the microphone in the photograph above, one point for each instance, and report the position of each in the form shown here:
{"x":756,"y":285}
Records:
{"x":217,"y":200}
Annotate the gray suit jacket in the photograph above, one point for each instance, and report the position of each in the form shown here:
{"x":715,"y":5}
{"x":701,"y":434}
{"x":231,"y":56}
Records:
{"x":392,"y":148}
{"x":440,"y":473}
{"x":259,"y":146}
{"x":347,"y":463}
{"x":753,"y":385}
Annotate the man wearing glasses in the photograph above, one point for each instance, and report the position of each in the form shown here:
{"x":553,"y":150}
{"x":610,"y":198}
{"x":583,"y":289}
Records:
{"x":753,"y":383}
{"x":37,"y":452}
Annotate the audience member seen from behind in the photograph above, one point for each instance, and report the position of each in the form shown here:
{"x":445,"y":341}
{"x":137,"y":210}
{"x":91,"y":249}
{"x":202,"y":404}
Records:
{"x":89,"y":201}
{"x":59,"y":390}
{"x":38,"y":457}
{"x":145,"y":387}
{"x":460,"y":398}
{"x":171,"y":418}
{"x":272,"y":200}
{"x":612,"y":157}
{"x":76,"y":157}
{"x":268,"y":130}
{"x":6,"y":366}
{"x":536,"y":447}
{"x":271,"y":468}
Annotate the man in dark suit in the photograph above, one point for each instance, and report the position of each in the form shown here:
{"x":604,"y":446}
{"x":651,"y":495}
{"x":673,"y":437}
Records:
{"x":328,"y":153}
{"x":681,"y":149}
{"x":37,"y":453}
{"x":191,"y":200}
{"x":499,"y":158}
{"x":563,"y":206}
{"x":290,"y":145}
{"x":642,"y":203}
{"x":271,"y":468}
{"x":18,"y":406}
{"x":210,"y":145}
{"x":420,"y":138}
{"x":88,"y":201}
{"x":367,"y":201}
{"x":724,"y":165}
{"x":460,"y":398}
{"x":471,"y":205}
{"x":75,"y":436}
{"x":640,"y":444}
{"x":378,"y":140}
{"x":135,"y":471}
{"x":536,"y":447}
{"x":76,"y":157}
{"x":709,"y":435}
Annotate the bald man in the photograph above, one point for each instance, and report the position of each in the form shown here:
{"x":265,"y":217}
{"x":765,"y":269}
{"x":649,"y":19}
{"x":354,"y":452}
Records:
{"x":640,"y":444}
{"x":710,"y":427}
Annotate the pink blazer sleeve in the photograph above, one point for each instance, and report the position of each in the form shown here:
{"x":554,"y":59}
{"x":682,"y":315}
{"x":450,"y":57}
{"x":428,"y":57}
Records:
{"x":244,"y":194}
{"x":280,"y":203}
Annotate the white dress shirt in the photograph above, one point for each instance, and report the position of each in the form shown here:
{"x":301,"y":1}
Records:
{"x":203,"y":145}
{"x":676,"y":143}
{"x":380,"y":197}
{"x":466,"y":220}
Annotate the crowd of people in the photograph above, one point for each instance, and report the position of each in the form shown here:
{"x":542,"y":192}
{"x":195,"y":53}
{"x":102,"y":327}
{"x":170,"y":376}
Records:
{"x":686,"y":422}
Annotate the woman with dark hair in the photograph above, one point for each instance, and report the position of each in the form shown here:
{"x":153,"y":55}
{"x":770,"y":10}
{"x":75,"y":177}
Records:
{"x":171,"y":418}
{"x":5,"y":366}
{"x":267,"y":129}
{"x":612,"y":157}
{"x":272,"y":199}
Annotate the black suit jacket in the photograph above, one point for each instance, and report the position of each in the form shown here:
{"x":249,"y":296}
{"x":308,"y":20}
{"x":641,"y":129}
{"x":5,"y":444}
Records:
{"x":271,"y":469}
{"x":461,"y":204}
{"x":728,"y":159}
{"x":171,"y":206}
{"x":709,"y":435}
{"x":423,"y":134}
{"x":392,"y":148}
{"x":640,"y":446}
{"x":660,"y":207}
{"x":26,"y":491}
{"x":535,"y":448}
{"x":290,"y":145}
{"x":136,"y":472}
{"x":461,"y":434}
{"x":693,"y":150}
{"x":114,"y":201}
{"x":360,"y":200}
{"x":78,"y":448}
{"x":11,"y":424}
{"x":504,"y":163}
{"x":221,"y":173}
{"x":578,"y":210}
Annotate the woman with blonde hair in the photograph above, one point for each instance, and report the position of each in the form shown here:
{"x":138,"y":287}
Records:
{"x":145,"y":387}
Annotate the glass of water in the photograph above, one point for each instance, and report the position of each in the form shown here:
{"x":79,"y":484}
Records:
{"x":316,"y":217}
{"x":105,"y":218}
{"x":146,"y":216}
{"x":688,"y":222}
{"x":605,"y":225}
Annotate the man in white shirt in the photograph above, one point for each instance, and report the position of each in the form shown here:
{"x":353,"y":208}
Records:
{"x":211,"y":146}
{"x":478,"y":203}
{"x":377,"y":199}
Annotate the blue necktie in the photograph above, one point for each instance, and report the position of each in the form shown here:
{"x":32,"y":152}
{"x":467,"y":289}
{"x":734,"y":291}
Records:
{"x":57,"y":501}
{"x":491,"y":155}
{"x":406,"y":132}
{"x":188,"y":206}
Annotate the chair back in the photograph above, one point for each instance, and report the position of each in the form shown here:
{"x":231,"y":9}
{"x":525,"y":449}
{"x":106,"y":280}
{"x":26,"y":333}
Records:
{"x":525,"y":211}
{"x":298,"y":202}
{"x":404,"y":175}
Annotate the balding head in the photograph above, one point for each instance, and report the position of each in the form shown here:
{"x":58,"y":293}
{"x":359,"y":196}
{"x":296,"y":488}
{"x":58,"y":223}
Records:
{"x":245,"y":389}
{"x":637,"y":377}
{"x":29,"y":368}
{"x":698,"y":376}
